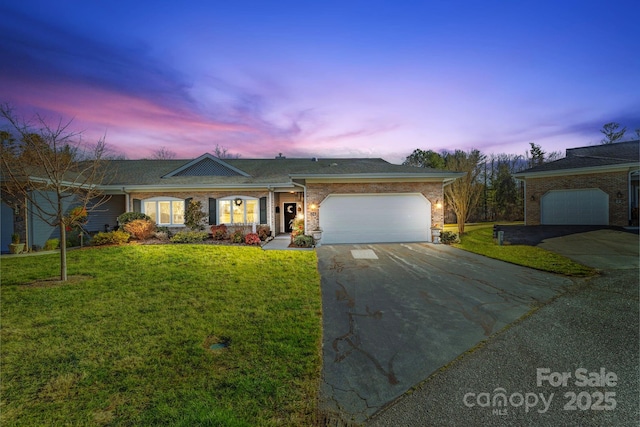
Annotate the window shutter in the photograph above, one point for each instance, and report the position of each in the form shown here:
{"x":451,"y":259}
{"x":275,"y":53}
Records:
{"x":186,"y":206}
{"x":137,"y":205}
{"x":263,"y":210}
{"x":213,"y":220}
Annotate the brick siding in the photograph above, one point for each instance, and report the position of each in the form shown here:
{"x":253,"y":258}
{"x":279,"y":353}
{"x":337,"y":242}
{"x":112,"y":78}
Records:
{"x":611,"y":183}
{"x":316,"y":193}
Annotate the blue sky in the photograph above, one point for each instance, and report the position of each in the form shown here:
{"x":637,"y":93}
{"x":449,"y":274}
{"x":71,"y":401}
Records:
{"x":326,"y":79}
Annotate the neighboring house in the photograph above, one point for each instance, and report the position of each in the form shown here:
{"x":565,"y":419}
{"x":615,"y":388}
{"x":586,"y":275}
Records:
{"x":351,"y":200}
{"x":595,"y":185}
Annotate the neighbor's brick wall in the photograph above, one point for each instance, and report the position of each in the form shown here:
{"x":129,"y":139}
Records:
{"x":316,"y":193}
{"x":610,"y":183}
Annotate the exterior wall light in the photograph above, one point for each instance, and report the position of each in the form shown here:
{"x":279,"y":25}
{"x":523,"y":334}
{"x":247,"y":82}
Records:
{"x":313,"y":206}
{"x":438,"y":205}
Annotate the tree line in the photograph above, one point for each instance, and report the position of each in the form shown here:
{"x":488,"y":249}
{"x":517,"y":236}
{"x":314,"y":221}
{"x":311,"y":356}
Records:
{"x":489,"y":191}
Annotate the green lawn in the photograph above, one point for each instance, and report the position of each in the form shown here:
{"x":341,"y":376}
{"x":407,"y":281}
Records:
{"x":478,"y":238}
{"x":130,"y":345}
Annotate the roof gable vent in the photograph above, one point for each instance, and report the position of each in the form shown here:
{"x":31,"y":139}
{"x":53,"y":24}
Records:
{"x":206,"y":165}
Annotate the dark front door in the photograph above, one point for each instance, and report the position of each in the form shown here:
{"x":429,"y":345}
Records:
{"x":289,"y":215}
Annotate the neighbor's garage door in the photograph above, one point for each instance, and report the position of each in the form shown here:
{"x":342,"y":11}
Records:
{"x":375,"y":218}
{"x":576,"y":207}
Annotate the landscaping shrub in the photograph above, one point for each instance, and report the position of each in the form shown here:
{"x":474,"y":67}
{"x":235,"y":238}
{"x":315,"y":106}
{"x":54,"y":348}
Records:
{"x":297,"y":226}
{"x":237,"y":236}
{"x":220,"y":235}
{"x":163,"y":233}
{"x":73,"y":238}
{"x":51,"y":244}
{"x":130,"y":216}
{"x":219,"y":232}
{"x":252,"y":239}
{"x":163,"y":229}
{"x":110,"y":238}
{"x":449,"y":237}
{"x":190,"y":237}
{"x":140,"y":229}
{"x":263,"y":232}
{"x":194,"y":215}
{"x":303,"y":241}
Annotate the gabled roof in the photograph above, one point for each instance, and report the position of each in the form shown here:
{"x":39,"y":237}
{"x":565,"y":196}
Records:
{"x":209,"y":171}
{"x":592,"y":158}
{"x":206,"y":165}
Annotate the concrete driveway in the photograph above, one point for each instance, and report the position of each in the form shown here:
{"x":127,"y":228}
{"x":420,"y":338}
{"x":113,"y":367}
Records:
{"x":601,"y":249}
{"x":395,"y":313}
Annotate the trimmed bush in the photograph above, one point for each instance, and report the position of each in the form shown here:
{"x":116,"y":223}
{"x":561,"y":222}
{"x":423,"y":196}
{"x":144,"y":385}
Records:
{"x":237,"y":236}
{"x":110,"y":238}
{"x":219,"y":232}
{"x":252,"y":239}
{"x":163,"y":233}
{"x":190,"y":237}
{"x":449,"y":237}
{"x":140,"y":229}
{"x":194,"y":215}
{"x":51,"y":244}
{"x":127,"y":217}
{"x":263,"y":232}
{"x":220,"y":235}
{"x":303,"y":241}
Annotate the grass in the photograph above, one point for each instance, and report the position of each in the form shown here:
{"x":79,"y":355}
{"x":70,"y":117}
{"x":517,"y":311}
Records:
{"x":478,"y":238}
{"x":129,"y":344}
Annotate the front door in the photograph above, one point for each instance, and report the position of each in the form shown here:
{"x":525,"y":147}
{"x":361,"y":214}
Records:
{"x":289,"y":215}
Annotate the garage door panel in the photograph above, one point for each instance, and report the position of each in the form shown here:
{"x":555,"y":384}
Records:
{"x":375,"y":218}
{"x":575,"y":207}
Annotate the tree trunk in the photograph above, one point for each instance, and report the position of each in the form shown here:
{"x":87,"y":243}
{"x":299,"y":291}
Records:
{"x":63,"y":253}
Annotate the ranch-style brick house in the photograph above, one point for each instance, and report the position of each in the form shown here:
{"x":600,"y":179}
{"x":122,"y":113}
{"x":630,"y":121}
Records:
{"x":353,"y":200}
{"x":594,"y":185}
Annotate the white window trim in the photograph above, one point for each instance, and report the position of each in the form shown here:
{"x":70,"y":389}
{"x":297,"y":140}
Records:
{"x":231,"y":199}
{"x":158,"y":199}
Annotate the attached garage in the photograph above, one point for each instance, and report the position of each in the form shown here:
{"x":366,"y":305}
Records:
{"x":375,"y":218}
{"x":589,"y":206}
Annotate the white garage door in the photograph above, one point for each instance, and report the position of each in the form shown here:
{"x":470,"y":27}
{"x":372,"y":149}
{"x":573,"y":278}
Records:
{"x":375,"y":218}
{"x":575,"y":207}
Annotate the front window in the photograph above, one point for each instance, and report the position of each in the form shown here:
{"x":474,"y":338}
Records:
{"x":238,"y":211}
{"x":165,"y":212}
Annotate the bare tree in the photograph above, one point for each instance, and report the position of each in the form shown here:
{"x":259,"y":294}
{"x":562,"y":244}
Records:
{"x":611,"y":133}
{"x":223,"y":153}
{"x":464,"y":193}
{"x":163,"y":153}
{"x":51,"y":169}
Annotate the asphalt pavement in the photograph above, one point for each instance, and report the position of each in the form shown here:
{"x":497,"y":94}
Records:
{"x":592,"y":328}
{"x":573,"y":362}
{"x":395,"y":313}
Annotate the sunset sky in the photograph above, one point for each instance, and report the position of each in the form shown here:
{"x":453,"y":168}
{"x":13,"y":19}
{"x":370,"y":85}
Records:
{"x":325,"y":78}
